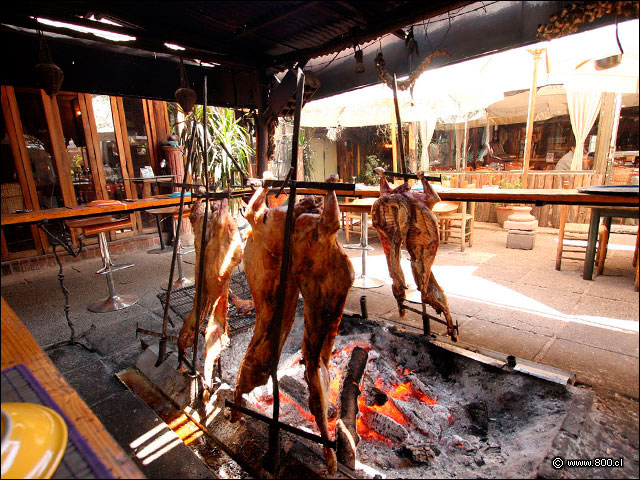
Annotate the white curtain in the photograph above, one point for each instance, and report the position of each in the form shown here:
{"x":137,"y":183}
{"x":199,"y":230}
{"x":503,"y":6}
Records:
{"x":427,"y":127}
{"x":583,"y":109}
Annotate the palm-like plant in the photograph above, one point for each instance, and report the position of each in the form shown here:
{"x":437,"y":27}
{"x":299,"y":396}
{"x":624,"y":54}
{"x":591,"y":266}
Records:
{"x":221,"y":126}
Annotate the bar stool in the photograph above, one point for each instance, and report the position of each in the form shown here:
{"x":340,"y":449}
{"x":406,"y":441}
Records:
{"x":181,"y":282}
{"x":99,"y":226}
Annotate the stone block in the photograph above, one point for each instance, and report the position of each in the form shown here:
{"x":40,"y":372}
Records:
{"x":520,"y":239}
{"x":520,"y":225}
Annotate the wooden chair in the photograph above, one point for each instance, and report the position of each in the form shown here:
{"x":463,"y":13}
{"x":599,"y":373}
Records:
{"x":575,"y":231}
{"x":453,"y":218}
{"x":601,"y":255}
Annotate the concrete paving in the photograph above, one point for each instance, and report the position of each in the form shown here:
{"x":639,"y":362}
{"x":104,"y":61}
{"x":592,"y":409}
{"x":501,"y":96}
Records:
{"x":508,"y":300}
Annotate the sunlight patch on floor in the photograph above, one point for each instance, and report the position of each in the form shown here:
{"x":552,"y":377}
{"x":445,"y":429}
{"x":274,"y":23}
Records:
{"x":462,"y":282}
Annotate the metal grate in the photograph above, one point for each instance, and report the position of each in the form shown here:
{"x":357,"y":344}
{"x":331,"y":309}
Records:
{"x":182,"y":303}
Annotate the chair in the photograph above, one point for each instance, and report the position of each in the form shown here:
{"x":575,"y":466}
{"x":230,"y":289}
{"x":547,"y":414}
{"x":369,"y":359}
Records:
{"x":181,"y":282}
{"x":453,"y":218}
{"x":602,"y":254}
{"x":575,"y":231}
{"x":99,"y":226}
{"x":497,"y":155}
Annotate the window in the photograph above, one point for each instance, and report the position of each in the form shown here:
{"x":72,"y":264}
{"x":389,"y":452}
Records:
{"x":38,"y":142}
{"x":108,"y":146}
{"x":17,"y":237}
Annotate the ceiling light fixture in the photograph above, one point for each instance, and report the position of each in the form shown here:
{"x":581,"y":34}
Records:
{"x":613,"y":60}
{"x":359,"y":60}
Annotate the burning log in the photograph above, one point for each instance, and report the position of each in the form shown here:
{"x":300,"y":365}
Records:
{"x":346,"y":435}
{"x":386,"y":427}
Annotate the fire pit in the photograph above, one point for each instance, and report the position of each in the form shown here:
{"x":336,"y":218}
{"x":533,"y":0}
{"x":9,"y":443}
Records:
{"x":423,"y":412}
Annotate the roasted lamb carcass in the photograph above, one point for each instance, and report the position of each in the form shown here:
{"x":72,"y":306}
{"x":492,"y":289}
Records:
{"x":223,"y":252}
{"x":262,"y":262}
{"x":324,"y":275}
{"x":402,"y":216}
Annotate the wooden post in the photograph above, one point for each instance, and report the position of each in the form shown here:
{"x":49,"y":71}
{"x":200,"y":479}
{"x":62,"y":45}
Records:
{"x":609,"y":115}
{"x":413,"y":154}
{"x":394,"y":147}
{"x":531,"y":115}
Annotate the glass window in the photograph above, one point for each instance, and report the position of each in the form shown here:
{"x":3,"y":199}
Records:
{"x":137,"y":134}
{"x":38,"y":142}
{"x":18,"y":237}
{"x":139,"y":146}
{"x":73,"y":131}
{"x":108,"y":146}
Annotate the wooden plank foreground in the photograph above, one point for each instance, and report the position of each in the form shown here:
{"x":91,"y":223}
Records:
{"x":19,"y":347}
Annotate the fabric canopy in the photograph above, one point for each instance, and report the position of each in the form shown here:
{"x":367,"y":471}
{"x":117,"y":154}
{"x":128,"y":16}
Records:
{"x":475,"y":89}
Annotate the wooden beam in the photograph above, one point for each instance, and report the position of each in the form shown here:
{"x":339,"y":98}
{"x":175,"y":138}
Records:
{"x":531,"y":115}
{"x":59,"y":148}
{"x":93,"y":145}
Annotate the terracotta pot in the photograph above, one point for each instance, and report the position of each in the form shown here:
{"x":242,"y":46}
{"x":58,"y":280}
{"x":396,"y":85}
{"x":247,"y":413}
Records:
{"x":503,"y":212}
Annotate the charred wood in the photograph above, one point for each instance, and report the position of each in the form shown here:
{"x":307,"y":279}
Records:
{"x":346,"y":435}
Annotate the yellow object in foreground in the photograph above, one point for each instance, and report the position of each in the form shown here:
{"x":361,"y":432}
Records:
{"x":36,"y":442}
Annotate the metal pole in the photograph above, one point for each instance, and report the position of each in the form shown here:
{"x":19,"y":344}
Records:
{"x":403,"y":165}
{"x":162,"y":348}
{"x":273,"y":454}
{"x":194,"y":364}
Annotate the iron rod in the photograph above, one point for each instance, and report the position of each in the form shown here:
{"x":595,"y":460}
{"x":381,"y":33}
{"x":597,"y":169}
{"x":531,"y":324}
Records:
{"x":403,"y":166}
{"x":274,"y":427}
{"x":194,"y":363}
{"x":413,"y":176}
{"x":144,"y":331}
{"x":319,"y":185}
{"x":162,"y":348}
{"x":289,"y":428}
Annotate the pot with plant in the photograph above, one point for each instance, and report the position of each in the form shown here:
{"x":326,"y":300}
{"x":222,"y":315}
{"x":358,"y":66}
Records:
{"x":503,"y":210}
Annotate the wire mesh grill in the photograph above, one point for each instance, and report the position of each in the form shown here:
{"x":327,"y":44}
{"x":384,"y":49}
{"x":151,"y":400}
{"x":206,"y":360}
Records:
{"x":182,"y":303}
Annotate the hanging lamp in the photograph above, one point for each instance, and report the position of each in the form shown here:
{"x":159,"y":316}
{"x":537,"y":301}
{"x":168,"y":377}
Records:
{"x":185,"y":96}
{"x":48,"y":75}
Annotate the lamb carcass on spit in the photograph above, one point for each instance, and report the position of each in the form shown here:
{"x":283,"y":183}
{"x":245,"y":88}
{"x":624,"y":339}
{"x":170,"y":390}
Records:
{"x":404,"y":217}
{"x":324,"y":275}
{"x":262,"y":261}
{"x":223,"y":252}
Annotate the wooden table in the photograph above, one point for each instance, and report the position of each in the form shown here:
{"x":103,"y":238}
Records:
{"x":65,"y":213}
{"x":19,"y":347}
{"x":520,"y":195}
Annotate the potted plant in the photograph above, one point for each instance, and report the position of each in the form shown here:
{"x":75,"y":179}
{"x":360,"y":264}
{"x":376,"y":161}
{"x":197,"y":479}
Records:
{"x":503,"y":210}
{"x":221,"y":126}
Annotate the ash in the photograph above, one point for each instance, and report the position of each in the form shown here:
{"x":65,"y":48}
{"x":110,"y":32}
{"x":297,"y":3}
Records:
{"x":424,"y":411}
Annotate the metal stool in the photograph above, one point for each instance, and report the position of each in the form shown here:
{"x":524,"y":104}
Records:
{"x":181,"y":282}
{"x":99,"y":226}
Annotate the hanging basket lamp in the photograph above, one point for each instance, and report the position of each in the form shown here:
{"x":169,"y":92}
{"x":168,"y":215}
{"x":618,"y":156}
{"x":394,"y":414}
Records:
{"x":185,"y":96}
{"x":48,"y":75}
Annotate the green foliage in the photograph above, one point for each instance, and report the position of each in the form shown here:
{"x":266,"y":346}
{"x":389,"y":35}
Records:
{"x":220,"y":127}
{"x":368,"y":176}
{"x":504,"y":184}
{"x":303,"y":142}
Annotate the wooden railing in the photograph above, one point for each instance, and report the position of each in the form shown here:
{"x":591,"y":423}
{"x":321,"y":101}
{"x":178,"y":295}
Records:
{"x":547,"y":215}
